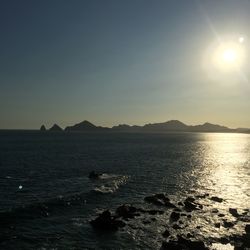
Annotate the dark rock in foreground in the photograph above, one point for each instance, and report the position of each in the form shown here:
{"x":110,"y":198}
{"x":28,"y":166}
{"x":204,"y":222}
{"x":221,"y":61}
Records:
{"x":183,"y":244}
{"x":127,"y":211}
{"x":247,"y":229}
{"x":106,"y":221}
{"x":159,"y":200}
{"x":217,"y":199}
{"x":234,"y":212}
{"x":174,"y":216}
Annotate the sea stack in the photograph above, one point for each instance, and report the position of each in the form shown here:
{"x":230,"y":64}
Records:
{"x":43,"y":128}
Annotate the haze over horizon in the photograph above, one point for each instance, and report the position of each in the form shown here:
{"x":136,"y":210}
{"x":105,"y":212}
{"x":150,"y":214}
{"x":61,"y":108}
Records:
{"x":114,"y":62}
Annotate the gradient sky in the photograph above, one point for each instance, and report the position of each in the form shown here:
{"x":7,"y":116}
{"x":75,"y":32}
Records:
{"x":113,"y":61}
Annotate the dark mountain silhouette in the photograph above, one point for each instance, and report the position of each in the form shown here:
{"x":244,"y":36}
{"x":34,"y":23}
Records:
{"x":208,"y":127}
{"x":126,"y":128}
{"x":43,"y":128}
{"x":168,"y":126}
{"x":84,"y":126}
{"x":173,"y":125}
{"x":55,"y":127}
{"x":243,"y":130}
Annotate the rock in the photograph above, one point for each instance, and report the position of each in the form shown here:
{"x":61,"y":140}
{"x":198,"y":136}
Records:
{"x":169,"y":205}
{"x":217,"y":199}
{"x":154,"y":212}
{"x":177,"y":210}
{"x":107,"y":222}
{"x":228,"y":224}
{"x":214,"y":210}
{"x":217,"y":225}
{"x":202,"y":196}
{"x":159,"y":200}
{"x":234,"y":212}
{"x":190,"y":206}
{"x":176,"y":226}
{"x":183,"y":244}
{"x":166,"y":234}
{"x":224,"y":240}
{"x":175,"y":216}
{"x":145,"y":222}
{"x":180,"y":203}
{"x":94,"y":175}
{"x":246,"y":241}
{"x":190,"y":199}
{"x":221,"y":215}
{"x":43,"y":128}
{"x":162,"y":197}
{"x":247,"y":229}
{"x":152,"y":199}
{"x":172,"y":245}
{"x":192,"y":245}
{"x":126,"y":211}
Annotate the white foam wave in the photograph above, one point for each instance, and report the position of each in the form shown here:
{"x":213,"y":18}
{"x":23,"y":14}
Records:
{"x":111,"y":186}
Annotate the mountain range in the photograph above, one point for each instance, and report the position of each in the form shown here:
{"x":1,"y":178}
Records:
{"x":169,"y":126}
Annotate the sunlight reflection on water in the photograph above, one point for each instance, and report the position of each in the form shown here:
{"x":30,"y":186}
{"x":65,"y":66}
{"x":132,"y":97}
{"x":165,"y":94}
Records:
{"x":226,"y":167}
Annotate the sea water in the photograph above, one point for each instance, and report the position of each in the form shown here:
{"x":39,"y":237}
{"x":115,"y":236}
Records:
{"x":47,"y":199}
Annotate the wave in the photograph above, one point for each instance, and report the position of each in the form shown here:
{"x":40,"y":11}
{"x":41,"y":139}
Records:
{"x":108,"y":183}
{"x":111,"y":185}
{"x":41,"y":209}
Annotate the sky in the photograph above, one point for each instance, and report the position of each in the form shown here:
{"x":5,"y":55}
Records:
{"x":113,"y":62}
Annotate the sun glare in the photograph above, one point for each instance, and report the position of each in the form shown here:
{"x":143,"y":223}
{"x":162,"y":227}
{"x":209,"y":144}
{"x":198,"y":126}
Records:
{"x":229,"y":55}
{"x":225,"y":58}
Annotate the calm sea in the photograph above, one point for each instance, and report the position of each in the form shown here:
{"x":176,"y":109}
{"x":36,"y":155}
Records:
{"x":48,"y":199}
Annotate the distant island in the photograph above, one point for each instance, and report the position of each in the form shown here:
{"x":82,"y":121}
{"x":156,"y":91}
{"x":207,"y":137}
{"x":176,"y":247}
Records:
{"x":169,"y":126}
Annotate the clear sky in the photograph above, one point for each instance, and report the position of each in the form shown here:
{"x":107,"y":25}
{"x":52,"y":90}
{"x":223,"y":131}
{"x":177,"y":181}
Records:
{"x":122,"y":61}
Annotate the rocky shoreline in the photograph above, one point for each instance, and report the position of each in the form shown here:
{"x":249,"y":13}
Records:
{"x":184,"y":221}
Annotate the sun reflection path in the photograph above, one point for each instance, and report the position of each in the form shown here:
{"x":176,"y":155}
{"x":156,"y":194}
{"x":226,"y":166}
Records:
{"x":227,"y":169}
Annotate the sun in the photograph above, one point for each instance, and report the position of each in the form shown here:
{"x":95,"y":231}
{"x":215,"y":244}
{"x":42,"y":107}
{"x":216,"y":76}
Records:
{"x":229,"y":56}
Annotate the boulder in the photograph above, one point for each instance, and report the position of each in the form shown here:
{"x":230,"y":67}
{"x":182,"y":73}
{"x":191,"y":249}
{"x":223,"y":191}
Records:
{"x":217,"y":199}
{"x":194,"y":245}
{"x":94,"y":175}
{"x":174,"y":216}
{"x":228,"y":224}
{"x":234,"y":212}
{"x":152,"y":199}
{"x":214,"y":210}
{"x":166,"y":233}
{"x":126,"y":211}
{"x":183,"y":244}
{"x":105,"y":221}
{"x":247,"y":229}
{"x":190,"y":206}
{"x":176,"y":226}
{"x":159,"y":200}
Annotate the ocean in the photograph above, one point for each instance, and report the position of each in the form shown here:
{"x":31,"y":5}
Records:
{"x":47,"y":199}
